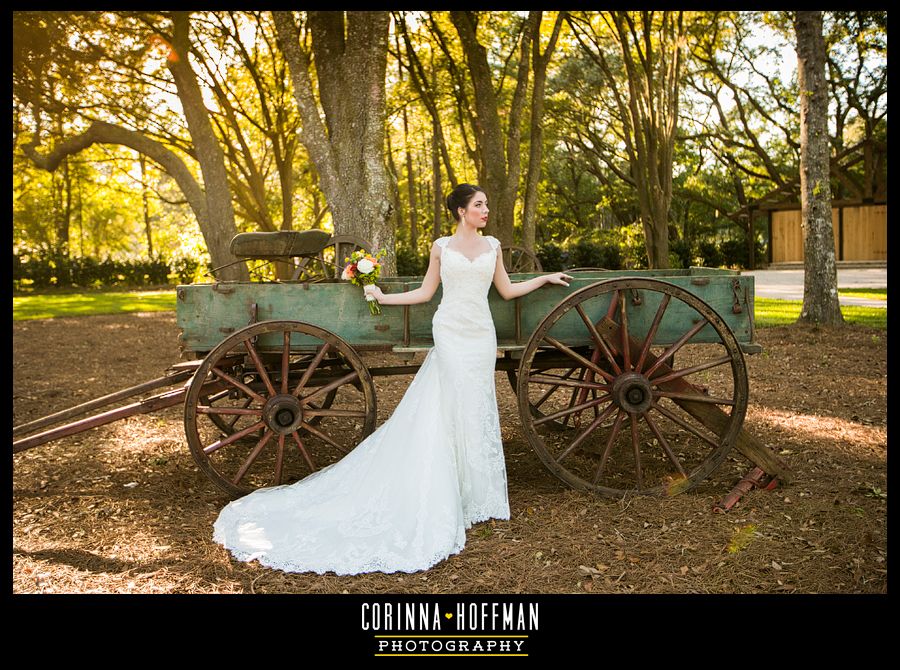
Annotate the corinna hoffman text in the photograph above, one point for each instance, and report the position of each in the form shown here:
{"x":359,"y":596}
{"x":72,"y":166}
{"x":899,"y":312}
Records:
{"x":488,"y":617}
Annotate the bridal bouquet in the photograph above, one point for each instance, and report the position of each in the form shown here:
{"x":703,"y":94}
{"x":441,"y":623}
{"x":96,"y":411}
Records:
{"x":362,"y":269}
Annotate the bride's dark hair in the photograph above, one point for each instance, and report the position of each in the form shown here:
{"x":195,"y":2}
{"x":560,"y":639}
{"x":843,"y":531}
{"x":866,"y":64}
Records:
{"x":460,"y":197}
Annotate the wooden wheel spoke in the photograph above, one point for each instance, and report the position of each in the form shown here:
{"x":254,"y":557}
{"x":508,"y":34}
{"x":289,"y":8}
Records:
{"x":325,"y":438}
{"x":623,"y":331}
{"x":334,"y":412}
{"x":578,"y":357}
{"x":239,"y":384}
{"x":237,"y":411}
{"x":694,"y":397}
{"x":306,"y":456}
{"x":553,"y":388}
{"x":684,"y":424}
{"x":212,"y":409}
{"x":328,"y":387}
{"x":252,"y":457}
{"x":587,"y":431}
{"x":588,"y":377}
{"x":559,"y":381}
{"x":664,"y":303}
{"x":697,"y":327}
{"x":261,"y":369}
{"x":246,"y":404}
{"x":572,"y":409}
{"x":677,"y":374}
{"x":279,"y":460}
{"x":218,"y":444}
{"x":664,"y":443}
{"x":637,"y":451}
{"x":573,"y":400}
{"x":613,"y":434}
{"x":613,"y":305}
{"x":311,"y":368}
{"x":598,"y":339}
{"x":285,"y":361}
{"x":218,"y":396}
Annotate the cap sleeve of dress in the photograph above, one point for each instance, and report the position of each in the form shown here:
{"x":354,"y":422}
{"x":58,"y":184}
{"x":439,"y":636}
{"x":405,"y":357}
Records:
{"x":442,"y":241}
{"x":495,"y":243}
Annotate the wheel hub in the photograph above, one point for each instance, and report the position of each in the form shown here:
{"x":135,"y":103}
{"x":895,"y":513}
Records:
{"x":283,"y":414}
{"x":631,"y":392}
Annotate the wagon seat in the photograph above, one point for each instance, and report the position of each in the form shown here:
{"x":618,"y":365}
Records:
{"x":281,"y":245}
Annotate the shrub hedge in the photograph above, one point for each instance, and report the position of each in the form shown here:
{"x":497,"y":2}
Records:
{"x":612,"y":250}
{"x":626,"y":252}
{"x":40,"y":270}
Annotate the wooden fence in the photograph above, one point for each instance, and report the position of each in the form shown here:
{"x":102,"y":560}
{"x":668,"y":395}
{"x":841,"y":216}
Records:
{"x":860,"y":234}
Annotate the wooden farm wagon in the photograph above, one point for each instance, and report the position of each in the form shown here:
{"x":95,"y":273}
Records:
{"x":627,"y":381}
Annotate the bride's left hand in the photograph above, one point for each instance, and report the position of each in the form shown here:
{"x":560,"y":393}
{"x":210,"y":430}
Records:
{"x":560,"y":278}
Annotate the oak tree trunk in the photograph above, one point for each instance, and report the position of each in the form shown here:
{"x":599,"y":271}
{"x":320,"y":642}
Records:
{"x":536,"y":149}
{"x":411,"y":189}
{"x":500,"y":167}
{"x":216,"y":190}
{"x":437,"y":184}
{"x":820,"y":298}
{"x":145,"y":204}
{"x":345,"y":138}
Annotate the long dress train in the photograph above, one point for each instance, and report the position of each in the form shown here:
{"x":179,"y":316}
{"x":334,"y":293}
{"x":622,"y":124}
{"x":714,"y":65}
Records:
{"x":402,"y":500}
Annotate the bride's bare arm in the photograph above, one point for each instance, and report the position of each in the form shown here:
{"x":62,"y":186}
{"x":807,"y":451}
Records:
{"x":419,"y":295}
{"x":509,"y":290}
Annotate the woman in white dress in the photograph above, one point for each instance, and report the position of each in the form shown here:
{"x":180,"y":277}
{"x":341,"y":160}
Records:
{"x":402,"y":500}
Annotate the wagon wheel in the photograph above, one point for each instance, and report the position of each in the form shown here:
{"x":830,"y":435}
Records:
{"x":338,"y":248}
{"x":520,"y":259}
{"x":640,"y":426}
{"x":547,"y":360}
{"x":227,"y":397}
{"x":275,"y":377}
{"x":586,"y":269}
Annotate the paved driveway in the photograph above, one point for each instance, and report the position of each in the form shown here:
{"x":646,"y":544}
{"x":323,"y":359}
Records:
{"x":788,"y":284}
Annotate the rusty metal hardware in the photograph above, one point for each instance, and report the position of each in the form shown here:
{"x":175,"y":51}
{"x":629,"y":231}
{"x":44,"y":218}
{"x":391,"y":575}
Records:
{"x":736,"y":290}
{"x":753,"y":479}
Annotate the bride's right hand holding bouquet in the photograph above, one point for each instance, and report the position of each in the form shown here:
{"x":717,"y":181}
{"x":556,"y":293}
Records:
{"x":363,"y":269}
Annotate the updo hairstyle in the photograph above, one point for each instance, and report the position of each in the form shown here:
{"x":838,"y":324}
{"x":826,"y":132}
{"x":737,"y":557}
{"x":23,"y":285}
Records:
{"x":461,"y":196}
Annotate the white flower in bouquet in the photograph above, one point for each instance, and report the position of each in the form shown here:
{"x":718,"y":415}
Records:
{"x":365,"y":266}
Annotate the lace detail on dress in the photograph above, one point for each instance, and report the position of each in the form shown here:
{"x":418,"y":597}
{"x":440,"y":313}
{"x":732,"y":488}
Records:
{"x":402,"y":500}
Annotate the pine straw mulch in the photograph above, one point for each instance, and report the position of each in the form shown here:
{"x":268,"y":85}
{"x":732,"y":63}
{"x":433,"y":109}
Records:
{"x":124,"y":509}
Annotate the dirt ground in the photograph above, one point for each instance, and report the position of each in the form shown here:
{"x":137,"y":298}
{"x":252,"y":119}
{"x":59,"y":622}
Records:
{"x":124,"y":509}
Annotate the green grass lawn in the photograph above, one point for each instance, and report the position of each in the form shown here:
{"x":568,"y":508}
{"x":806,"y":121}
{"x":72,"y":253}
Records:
{"x":772,"y":312}
{"x":868,"y":293}
{"x":50,"y":305}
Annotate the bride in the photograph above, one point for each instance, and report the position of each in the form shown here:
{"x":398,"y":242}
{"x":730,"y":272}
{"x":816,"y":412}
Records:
{"x":402,"y":500}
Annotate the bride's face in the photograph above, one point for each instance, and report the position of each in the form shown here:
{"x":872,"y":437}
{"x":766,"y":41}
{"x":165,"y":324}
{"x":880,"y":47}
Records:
{"x":476,"y":213}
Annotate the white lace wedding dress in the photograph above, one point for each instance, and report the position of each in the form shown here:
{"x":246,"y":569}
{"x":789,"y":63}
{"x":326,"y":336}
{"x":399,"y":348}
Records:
{"x":402,"y":500}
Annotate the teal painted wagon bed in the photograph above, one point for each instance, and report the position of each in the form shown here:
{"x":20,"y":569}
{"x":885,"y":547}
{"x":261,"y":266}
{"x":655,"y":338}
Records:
{"x":626,"y":381}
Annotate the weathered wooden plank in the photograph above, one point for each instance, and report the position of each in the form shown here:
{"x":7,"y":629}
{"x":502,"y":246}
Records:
{"x":146,"y":406}
{"x":207,"y":313}
{"x":865,"y":233}
{"x":787,"y":236}
{"x":56,"y":417}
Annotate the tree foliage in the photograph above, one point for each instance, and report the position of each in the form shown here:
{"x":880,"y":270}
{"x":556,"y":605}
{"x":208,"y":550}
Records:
{"x":136,"y":132}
